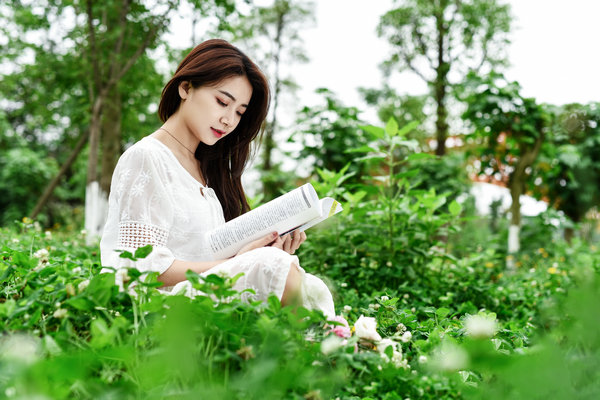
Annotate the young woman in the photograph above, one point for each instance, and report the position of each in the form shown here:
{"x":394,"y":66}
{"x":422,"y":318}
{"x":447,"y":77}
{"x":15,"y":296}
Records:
{"x":184,"y":179}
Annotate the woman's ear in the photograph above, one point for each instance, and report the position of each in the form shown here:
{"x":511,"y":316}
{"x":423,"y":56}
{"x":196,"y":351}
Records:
{"x":184,"y":89}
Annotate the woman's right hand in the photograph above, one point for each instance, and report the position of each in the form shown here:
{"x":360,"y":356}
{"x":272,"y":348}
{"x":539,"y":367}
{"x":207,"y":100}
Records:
{"x":262,"y":242}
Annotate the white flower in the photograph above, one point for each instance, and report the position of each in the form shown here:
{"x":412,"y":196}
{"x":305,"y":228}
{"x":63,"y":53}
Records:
{"x":422,"y":359}
{"x":41,"y":254}
{"x":347,"y":308}
{"x":15,"y":240}
{"x":480,"y":326}
{"x":399,"y":362}
{"x":83,"y":285}
{"x":384,"y":298}
{"x":60,"y":313}
{"x":366,"y":328}
{"x":401,"y":328}
{"x":406,"y":336}
{"x":76,"y":270}
{"x":20,"y":347}
{"x":450,"y":357}
{"x":83,"y":232}
{"x":384,"y":344}
{"x":331,"y":344}
{"x":48,"y":234}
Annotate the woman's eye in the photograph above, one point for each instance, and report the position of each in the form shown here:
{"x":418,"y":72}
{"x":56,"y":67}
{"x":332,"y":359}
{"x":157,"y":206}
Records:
{"x":221,"y":103}
{"x":240,"y":114}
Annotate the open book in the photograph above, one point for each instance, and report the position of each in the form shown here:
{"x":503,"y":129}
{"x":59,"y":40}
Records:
{"x":296,"y":210}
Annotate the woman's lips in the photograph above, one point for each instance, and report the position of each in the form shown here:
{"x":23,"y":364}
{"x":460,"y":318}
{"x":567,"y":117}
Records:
{"x":217,"y":133}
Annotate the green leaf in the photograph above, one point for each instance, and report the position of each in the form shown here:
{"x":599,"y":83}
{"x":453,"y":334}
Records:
{"x":408,"y":127}
{"x":442,"y":312}
{"x":391,"y":128}
{"x":80,"y":303}
{"x":143,"y":252}
{"x":361,"y":149}
{"x":455,"y":208}
{"x":375,"y":131}
{"x":420,"y":156}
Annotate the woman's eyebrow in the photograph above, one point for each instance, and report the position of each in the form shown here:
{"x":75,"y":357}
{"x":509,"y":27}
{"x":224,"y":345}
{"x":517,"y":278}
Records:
{"x":231,"y":97}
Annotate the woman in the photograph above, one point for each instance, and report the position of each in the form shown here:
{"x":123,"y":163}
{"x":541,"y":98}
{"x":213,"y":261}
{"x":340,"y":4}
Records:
{"x":184,"y":179}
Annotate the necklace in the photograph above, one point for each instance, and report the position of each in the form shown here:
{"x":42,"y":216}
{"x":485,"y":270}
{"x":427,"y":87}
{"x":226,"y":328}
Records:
{"x":178,"y":141}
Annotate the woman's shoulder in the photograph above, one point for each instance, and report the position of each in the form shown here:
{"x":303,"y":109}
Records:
{"x":146,"y":148}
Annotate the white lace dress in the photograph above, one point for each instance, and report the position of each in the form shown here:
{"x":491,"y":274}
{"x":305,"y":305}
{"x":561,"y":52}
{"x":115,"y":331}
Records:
{"x":154,"y":200}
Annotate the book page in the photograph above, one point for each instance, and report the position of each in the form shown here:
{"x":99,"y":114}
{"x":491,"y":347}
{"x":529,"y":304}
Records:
{"x":281,"y":214}
{"x":328,"y":207}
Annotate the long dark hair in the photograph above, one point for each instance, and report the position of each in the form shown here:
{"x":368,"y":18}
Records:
{"x":223,"y":163}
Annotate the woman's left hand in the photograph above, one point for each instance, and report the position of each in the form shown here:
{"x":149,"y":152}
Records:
{"x":290,"y":242}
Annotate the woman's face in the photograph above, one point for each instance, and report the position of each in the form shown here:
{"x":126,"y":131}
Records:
{"x":211,"y":112}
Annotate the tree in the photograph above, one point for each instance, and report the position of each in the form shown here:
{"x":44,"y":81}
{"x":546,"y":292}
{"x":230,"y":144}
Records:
{"x":98,"y":51}
{"x":513,"y":129}
{"x":326,"y":131}
{"x":402,"y":108}
{"x":440,"y":41}
{"x":272,"y":35}
{"x":569,"y":164}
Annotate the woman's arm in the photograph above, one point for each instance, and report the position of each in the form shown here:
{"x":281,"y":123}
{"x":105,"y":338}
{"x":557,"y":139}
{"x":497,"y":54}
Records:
{"x":176,"y":271}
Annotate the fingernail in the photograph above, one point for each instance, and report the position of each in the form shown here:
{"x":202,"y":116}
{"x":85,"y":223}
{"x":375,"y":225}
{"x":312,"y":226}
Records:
{"x":273,"y":234}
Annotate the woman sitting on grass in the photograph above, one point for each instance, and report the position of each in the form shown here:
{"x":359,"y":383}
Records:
{"x":183,"y":180}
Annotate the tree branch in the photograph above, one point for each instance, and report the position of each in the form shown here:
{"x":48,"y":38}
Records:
{"x":410,"y":66}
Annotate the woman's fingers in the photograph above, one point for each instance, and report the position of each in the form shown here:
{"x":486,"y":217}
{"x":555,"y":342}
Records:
{"x":262,"y":242}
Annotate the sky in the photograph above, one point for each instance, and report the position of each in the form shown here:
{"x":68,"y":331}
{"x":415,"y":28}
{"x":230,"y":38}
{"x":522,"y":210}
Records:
{"x":554,"y":52}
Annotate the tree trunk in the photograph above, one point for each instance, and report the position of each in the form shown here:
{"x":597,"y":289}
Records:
{"x":440,"y":86}
{"x":63,"y":169}
{"x":94,"y":201}
{"x":269,"y":186}
{"x":111,"y":138}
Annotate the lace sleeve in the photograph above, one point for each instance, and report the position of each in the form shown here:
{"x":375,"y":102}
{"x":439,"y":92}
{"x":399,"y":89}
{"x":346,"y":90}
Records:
{"x":140,"y":212}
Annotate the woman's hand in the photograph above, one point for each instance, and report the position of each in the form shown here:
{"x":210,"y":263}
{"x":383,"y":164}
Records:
{"x":262,"y":242}
{"x":290,"y":241}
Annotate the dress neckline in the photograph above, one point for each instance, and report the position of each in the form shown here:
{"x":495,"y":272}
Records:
{"x":172,"y":156}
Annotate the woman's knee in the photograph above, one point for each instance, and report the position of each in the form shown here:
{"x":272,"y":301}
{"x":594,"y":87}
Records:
{"x":293,"y":284}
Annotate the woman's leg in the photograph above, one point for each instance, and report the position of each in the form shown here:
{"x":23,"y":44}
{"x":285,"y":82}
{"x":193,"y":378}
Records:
{"x":293,"y":284}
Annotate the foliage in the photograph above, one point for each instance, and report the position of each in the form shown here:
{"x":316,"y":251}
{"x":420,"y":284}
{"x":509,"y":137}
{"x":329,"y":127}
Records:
{"x":69,"y":331}
{"x":23,"y":174}
{"x":513,"y":129}
{"x":569,"y":164}
{"x":326,"y":131}
{"x":441,"y":41}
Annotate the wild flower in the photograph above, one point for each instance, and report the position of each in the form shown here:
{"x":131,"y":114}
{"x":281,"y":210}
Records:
{"x":347,"y":308}
{"x":406,"y":337}
{"x":42,"y":256}
{"x":76,"y":270}
{"x":342,"y":331}
{"x":422,"y":359}
{"x":83,"y":285}
{"x":401,"y":328}
{"x":450,"y":357}
{"x":60,"y":313}
{"x":553,"y":270}
{"x":331,"y":344}
{"x":366,"y":328}
{"x":20,"y":347}
{"x":481,"y":326}
{"x":384,"y":298}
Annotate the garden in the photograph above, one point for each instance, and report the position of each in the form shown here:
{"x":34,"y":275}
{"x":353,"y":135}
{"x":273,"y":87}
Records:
{"x":434,"y":299}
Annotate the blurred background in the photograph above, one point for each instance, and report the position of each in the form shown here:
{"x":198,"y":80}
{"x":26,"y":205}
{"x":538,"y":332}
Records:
{"x":503,"y":95}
